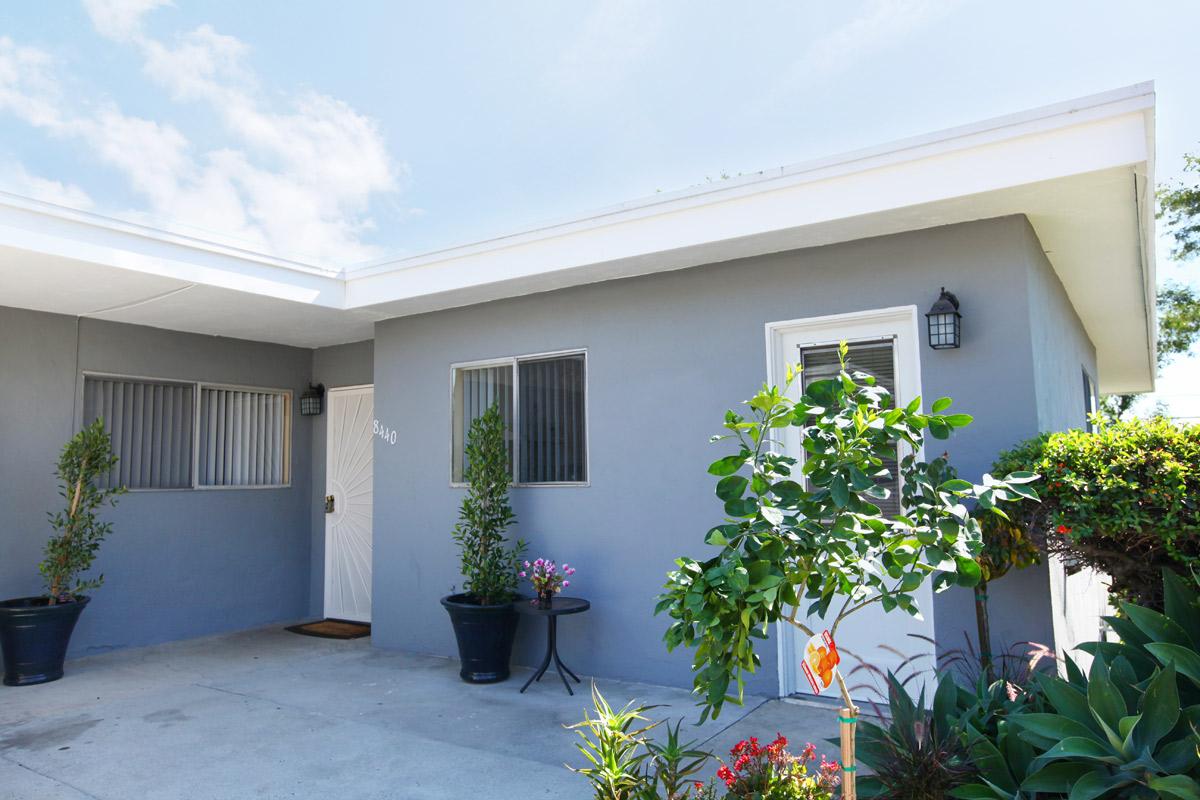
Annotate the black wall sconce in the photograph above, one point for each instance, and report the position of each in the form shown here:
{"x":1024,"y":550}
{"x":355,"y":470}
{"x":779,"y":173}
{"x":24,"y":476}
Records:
{"x":311,"y":400}
{"x":945,"y":323}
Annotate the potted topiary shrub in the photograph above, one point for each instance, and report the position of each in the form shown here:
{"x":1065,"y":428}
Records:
{"x":35,"y":631}
{"x":482,"y":614}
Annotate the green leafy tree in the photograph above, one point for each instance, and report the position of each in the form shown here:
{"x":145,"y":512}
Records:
{"x":85,"y":459}
{"x":815,"y":543}
{"x":1179,"y":205}
{"x":489,"y":566}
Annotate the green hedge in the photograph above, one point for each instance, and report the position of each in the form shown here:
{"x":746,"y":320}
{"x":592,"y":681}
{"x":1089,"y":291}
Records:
{"x":1124,"y":499}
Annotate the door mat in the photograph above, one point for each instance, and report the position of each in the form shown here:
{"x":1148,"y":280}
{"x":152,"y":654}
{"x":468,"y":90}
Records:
{"x":333,"y":629}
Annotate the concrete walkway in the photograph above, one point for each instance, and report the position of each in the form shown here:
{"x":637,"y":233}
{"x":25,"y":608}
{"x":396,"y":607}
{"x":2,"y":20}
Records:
{"x":270,"y":714}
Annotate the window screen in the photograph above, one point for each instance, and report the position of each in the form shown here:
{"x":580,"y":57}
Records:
{"x":547,"y":433}
{"x":244,"y":437}
{"x":476,"y":389}
{"x":150,"y":425}
{"x":551,"y":421}
{"x":876,"y":359}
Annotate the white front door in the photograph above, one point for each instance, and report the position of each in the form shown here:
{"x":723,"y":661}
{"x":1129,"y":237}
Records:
{"x":349,"y":489}
{"x":884,"y":343}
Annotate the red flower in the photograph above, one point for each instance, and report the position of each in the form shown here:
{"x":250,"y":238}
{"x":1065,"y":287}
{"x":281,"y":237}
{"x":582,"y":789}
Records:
{"x":1063,"y":529}
{"x":726,"y":775}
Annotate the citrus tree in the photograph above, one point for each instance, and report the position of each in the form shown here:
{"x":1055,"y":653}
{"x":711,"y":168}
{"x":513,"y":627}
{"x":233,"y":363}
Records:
{"x":807,"y":539}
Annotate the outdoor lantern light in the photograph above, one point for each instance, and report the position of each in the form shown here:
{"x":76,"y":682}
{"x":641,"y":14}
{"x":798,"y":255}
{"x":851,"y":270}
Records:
{"x":310,"y":401}
{"x":945,"y":323}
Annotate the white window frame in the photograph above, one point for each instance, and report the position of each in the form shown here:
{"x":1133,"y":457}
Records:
{"x":899,"y":323}
{"x":196,"y":386}
{"x":513,"y":362}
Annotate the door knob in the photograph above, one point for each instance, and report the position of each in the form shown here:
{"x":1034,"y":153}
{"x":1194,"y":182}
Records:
{"x":328,"y":504}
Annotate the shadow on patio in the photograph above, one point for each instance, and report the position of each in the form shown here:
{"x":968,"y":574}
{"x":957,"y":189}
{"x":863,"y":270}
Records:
{"x":270,"y":714}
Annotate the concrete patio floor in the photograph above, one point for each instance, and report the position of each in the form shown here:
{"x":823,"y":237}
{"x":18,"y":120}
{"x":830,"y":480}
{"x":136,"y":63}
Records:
{"x":270,"y":714}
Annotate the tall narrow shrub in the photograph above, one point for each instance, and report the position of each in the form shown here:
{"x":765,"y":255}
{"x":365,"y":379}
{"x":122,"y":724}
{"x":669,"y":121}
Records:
{"x":489,"y":565}
{"x":70,"y":552}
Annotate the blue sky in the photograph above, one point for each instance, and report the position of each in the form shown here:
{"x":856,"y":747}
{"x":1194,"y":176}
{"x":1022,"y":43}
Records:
{"x":347,"y":132}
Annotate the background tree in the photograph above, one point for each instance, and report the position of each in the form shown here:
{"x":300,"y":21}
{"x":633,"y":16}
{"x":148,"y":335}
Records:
{"x":1178,"y":304}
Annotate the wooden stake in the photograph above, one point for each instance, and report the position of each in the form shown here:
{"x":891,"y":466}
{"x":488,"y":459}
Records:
{"x":846,"y":721}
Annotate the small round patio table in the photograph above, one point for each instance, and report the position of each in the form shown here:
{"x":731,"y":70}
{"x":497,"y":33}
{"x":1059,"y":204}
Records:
{"x":559,"y":606}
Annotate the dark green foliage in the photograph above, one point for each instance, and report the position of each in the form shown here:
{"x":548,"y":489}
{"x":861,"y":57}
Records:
{"x":1179,"y":205}
{"x":1126,"y":730}
{"x":70,"y":552}
{"x":1178,"y":319}
{"x":1121,"y":499}
{"x":921,"y":754}
{"x":489,"y":567}
{"x":810,"y":541}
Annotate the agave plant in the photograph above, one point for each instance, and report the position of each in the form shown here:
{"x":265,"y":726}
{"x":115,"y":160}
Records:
{"x":675,"y":763}
{"x":1126,"y":730}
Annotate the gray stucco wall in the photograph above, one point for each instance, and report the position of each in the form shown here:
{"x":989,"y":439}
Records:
{"x":1058,"y":350}
{"x":667,"y":354}
{"x":179,"y":563}
{"x":342,"y":365}
{"x":1062,"y":350}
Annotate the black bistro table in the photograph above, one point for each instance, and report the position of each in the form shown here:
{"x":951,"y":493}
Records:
{"x":559,"y":606}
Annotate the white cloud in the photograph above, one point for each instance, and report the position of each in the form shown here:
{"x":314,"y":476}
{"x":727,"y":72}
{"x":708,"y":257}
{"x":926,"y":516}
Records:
{"x":296,"y":176}
{"x":609,"y":48}
{"x":120,"y":20}
{"x":28,"y":88}
{"x":16,"y":179}
{"x":882,"y":24}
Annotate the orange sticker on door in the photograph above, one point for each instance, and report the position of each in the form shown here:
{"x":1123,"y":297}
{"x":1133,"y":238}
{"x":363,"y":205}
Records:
{"x":820,"y":660}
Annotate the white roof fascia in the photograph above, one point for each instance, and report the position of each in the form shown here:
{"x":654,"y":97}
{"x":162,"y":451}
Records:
{"x":1086,"y":135}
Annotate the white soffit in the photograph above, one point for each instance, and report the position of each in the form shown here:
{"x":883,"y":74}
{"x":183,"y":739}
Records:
{"x":1081,"y":171}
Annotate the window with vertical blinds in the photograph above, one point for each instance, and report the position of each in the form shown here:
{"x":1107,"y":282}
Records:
{"x":173,"y":435}
{"x":150,"y":425}
{"x":551,"y":437}
{"x":543,"y":403}
{"x":475,"y":391}
{"x":243,"y":437}
{"x":874,"y":358}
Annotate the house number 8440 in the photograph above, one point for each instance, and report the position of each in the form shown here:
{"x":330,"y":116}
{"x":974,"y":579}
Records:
{"x":383,"y":432}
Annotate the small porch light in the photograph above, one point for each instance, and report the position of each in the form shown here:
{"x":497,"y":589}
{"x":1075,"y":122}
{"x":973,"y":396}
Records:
{"x":310,"y":401}
{"x":945,"y":323}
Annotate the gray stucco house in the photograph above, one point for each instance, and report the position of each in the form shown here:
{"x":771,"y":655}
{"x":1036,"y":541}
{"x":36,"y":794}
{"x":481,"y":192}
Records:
{"x":614,"y":341}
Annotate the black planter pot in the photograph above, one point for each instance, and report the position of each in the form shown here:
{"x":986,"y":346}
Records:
{"x":485,"y":638}
{"x":34,"y":637}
